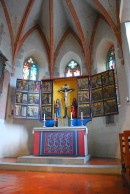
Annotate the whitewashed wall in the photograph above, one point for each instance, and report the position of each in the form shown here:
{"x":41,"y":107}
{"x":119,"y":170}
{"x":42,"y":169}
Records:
{"x":14,"y":140}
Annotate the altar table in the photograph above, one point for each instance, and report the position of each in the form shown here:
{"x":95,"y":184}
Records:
{"x":60,"y":141}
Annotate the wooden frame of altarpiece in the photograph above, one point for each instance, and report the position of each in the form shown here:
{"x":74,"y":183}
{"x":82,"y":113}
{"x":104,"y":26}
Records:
{"x":96,"y":96}
{"x":2,"y":67}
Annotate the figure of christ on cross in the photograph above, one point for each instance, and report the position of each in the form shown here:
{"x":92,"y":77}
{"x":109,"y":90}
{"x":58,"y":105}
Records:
{"x":66,"y":90}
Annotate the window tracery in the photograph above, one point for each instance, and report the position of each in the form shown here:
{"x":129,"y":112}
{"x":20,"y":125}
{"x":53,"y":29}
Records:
{"x":72,"y":69}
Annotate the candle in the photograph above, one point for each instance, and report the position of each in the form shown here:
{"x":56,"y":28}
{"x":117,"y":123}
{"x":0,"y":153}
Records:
{"x":71,"y":115}
{"x":81,"y":115}
{"x":44,"y":117}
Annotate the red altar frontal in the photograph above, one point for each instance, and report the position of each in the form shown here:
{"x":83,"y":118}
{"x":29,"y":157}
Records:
{"x":60,"y":141}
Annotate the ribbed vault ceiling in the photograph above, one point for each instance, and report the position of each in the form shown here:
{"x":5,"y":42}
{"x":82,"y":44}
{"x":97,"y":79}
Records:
{"x":55,"y":19}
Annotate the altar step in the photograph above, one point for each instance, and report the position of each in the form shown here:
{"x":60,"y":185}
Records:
{"x":64,"y":160}
{"x":23,"y":165}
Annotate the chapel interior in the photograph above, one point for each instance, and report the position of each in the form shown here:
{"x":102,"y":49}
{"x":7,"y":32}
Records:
{"x":63,"y":39}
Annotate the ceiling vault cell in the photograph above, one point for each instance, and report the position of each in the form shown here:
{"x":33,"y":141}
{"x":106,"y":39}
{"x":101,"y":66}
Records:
{"x":44,"y":40}
{"x":27,"y":34}
{"x":93,"y":35}
{"x":81,"y":34}
{"x":20,"y":31}
{"x":68,"y":31}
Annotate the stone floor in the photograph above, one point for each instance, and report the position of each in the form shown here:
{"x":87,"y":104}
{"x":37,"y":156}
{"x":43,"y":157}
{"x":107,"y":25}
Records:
{"x":92,"y":166}
{"x":27,"y":182}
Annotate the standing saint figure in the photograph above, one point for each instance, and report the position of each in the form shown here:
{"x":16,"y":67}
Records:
{"x":57,"y":108}
{"x":66,"y":90}
{"x":74,"y":108}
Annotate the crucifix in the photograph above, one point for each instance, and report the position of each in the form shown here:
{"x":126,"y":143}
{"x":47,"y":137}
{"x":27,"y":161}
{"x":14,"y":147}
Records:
{"x":66,"y":90}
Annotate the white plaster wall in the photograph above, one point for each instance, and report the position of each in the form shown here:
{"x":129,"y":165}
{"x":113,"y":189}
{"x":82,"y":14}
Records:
{"x":126,"y":53}
{"x":13,"y":140}
{"x":124,"y":11}
{"x":104,"y":138}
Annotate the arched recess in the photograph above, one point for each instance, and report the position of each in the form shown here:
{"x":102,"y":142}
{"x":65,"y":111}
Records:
{"x":33,"y":47}
{"x":101,"y":54}
{"x":65,"y":59}
{"x":102,"y":58}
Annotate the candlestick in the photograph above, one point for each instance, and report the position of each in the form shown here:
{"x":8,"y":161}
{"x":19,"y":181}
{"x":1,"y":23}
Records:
{"x":71,"y":121}
{"x":44,"y":123}
{"x":55,"y":117}
{"x":55,"y":120}
{"x":82,"y":124}
{"x":71,"y":115}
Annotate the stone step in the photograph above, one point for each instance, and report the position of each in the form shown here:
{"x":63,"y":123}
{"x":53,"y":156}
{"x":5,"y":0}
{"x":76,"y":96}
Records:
{"x":84,"y":169}
{"x":63,"y":168}
{"x":53,"y":160}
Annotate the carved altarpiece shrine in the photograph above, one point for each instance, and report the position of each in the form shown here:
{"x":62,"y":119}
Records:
{"x":95,"y":95}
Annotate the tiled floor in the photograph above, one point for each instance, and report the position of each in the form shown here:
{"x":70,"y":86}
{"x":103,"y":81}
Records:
{"x":15,"y":182}
{"x":24,"y":182}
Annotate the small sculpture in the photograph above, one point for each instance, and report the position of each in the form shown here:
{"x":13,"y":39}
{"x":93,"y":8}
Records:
{"x":57,"y":108}
{"x":66,"y":90}
{"x":74,"y":108}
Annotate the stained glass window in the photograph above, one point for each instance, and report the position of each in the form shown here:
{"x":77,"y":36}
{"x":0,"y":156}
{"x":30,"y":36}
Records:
{"x":111,"y":64}
{"x":72,"y":69}
{"x":30,"y":69}
{"x":111,"y":59}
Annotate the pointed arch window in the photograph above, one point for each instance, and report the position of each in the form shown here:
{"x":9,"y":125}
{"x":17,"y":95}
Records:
{"x":30,"y":69}
{"x":111,"y":64}
{"x":72,"y":69}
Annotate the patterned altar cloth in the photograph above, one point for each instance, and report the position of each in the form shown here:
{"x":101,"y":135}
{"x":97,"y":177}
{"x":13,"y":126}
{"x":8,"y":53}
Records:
{"x":58,"y":143}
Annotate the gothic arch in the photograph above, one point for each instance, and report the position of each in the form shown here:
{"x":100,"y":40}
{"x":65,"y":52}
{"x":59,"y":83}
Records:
{"x":101,"y":54}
